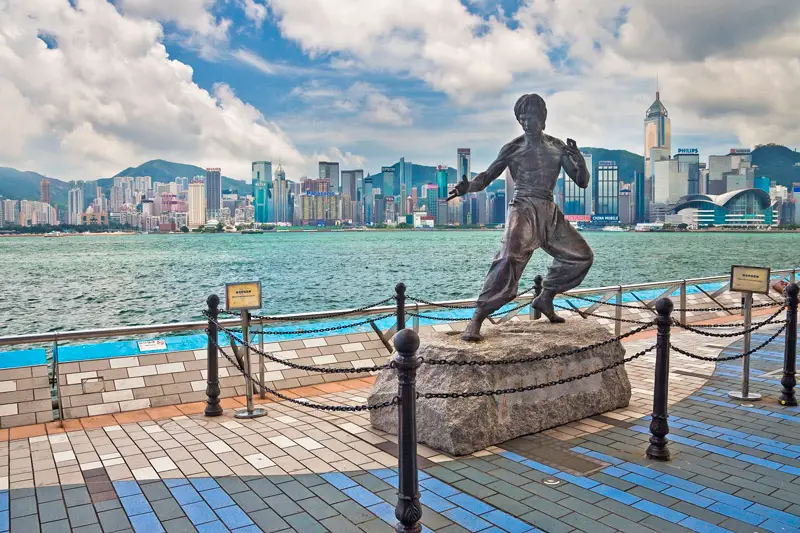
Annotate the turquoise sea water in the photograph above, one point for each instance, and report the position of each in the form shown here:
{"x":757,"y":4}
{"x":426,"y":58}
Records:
{"x":69,"y":283}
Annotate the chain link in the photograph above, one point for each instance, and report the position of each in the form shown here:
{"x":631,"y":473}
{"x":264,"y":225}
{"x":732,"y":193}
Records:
{"x":754,"y":327}
{"x":585,"y":314}
{"x":341,"y":408}
{"x":537,"y":358}
{"x":731,"y":357}
{"x":317,"y":317}
{"x":309,"y":368}
{"x":451,"y":319}
{"x":497,"y":392}
{"x":319,"y":330}
{"x":449,"y":306}
{"x":647,"y":308}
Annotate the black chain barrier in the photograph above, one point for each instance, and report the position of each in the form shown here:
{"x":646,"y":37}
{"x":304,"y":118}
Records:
{"x":585,"y":314}
{"x":333,"y":314}
{"x":497,"y":392}
{"x":647,"y":308}
{"x":546,"y":357}
{"x":754,"y":327}
{"x":731,"y":357}
{"x":451,"y":319}
{"x":321,"y":330}
{"x":310,"y":368}
{"x":341,"y":408}
{"x":470,"y":306}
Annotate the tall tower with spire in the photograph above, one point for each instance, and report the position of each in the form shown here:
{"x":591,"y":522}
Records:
{"x":657,"y":131}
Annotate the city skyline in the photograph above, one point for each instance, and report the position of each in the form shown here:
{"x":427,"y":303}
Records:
{"x":254,"y":82}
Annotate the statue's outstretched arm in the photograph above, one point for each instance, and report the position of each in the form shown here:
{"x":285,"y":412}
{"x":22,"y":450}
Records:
{"x":483,"y":179}
{"x":575,"y":165}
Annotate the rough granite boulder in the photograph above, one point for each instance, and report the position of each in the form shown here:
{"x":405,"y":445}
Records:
{"x":464,"y":425}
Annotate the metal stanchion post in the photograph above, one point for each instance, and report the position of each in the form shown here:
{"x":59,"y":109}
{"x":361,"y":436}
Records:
{"x":683,"y":302}
{"x":213,"y":408}
{"x":415,"y":320}
{"x":263,"y":392}
{"x":535,"y":314}
{"x":745,"y":394}
{"x":250,"y":411}
{"x":618,"y":314}
{"x":400,"y":299}
{"x":788,"y":381}
{"x":57,"y":380}
{"x":659,"y":428}
{"x":408,"y":510}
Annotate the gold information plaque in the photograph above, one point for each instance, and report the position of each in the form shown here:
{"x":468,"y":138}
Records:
{"x":750,"y":279}
{"x":243,"y":296}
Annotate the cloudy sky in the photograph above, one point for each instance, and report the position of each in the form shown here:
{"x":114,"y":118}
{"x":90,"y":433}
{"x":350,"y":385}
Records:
{"x":89,"y":87}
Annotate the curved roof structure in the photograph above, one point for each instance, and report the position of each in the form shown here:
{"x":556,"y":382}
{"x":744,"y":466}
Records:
{"x":722,"y":200}
{"x":657,"y":108}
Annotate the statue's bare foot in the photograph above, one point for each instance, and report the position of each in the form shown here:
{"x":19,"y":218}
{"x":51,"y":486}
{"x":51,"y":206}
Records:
{"x":472,"y":332}
{"x":545,"y":306}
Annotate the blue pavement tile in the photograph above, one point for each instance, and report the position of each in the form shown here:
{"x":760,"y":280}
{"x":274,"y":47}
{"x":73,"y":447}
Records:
{"x":216,"y":498}
{"x":540,"y":467}
{"x":660,"y":511}
{"x":394,"y":481}
{"x":185,"y":494}
{"x":4,"y":522}
{"x":616,"y":494}
{"x":212,"y":527}
{"x":176,"y":482}
{"x":126,"y":488}
{"x":248,"y":529}
{"x":780,"y":516}
{"x":651,"y":484}
{"x":146,"y":523}
{"x":204,"y":483}
{"x":506,"y":522}
{"x":3,"y":500}
{"x":199,"y":513}
{"x":469,"y":503}
{"x":603,"y":457}
{"x":680,"y":483}
{"x":759,"y":461}
{"x":778,"y":451}
{"x":614,"y":471}
{"x":340,"y":481}
{"x":513,"y":456}
{"x":718,"y":450}
{"x":724,"y":497}
{"x":584,"y":482}
{"x":442,"y":489}
{"x":689,"y":497}
{"x":777,"y":527}
{"x":362,"y":496}
{"x":737,"y":513}
{"x":384,"y":511}
{"x":641,"y":470}
{"x":466,"y":519}
{"x":701,"y":526}
{"x":135,"y":505}
{"x":383,"y":473}
{"x":790,"y":470}
{"x":234,"y":517}
{"x":437,"y":503}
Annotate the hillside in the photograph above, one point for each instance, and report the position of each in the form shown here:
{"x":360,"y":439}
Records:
{"x":166,"y":171}
{"x":778,"y":163}
{"x":24,"y":185}
{"x":628,"y":161}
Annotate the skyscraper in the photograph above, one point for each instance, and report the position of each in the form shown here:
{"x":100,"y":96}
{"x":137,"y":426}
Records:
{"x":213,"y":190}
{"x":260,"y":171}
{"x":330,"y":170}
{"x":75,"y":205}
{"x":657,"y":134}
{"x":607,"y":189}
{"x":589,"y":203}
{"x":575,"y":198}
{"x":366,"y":200}
{"x":463,"y":163}
{"x":388,"y":181}
{"x":44,"y":191}
{"x":689,"y":163}
{"x":197,"y":204}
{"x":441,"y":180}
{"x":639,"y":202}
{"x":280,"y":197}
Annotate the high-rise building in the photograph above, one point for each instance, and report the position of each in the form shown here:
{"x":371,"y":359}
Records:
{"x":44,"y":191}
{"x":213,"y":192}
{"x":689,"y":163}
{"x":589,"y":204}
{"x":10,"y":212}
{"x":260,"y":171}
{"x":75,"y":205}
{"x":639,"y":201}
{"x":607,"y":189}
{"x":441,"y":181}
{"x":431,"y":199}
{"x":280,"y":197}
{"x":379,"y":210}
{"x":574,"y":196}
{"x":657,"y":130}
{"x":329,"y":170}
{"x":626,"y":213}
{"x":463,"y":163}
{"x":670,"y":182}
{"x":367,"y":201}
{"x":197,"y":204}
{"x":388,"y":181}
{"x":499,"y":207}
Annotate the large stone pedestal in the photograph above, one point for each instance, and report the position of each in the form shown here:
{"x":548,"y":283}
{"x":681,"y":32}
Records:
{"x":465,"y":425}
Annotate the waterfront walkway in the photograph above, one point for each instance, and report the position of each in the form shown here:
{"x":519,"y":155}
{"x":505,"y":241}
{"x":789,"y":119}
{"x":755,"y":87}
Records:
{"x":735,"y":467}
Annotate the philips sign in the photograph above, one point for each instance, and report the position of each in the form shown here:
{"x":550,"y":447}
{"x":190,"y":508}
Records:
{"x":688,"y":151}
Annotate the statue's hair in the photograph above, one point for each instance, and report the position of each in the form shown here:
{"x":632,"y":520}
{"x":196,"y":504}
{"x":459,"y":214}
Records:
{"x":530,"y":102}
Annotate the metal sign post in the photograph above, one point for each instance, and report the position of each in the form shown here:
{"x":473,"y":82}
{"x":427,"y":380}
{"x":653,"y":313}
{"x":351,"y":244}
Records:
{"x":748,"y":280}
{"x":244,"y":297}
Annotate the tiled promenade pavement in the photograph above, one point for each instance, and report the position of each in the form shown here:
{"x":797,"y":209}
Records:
{"x":735,"y":468}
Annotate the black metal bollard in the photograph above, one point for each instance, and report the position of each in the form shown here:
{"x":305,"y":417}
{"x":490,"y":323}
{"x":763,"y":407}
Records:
{"x":400,"y":298}
{"x":408,"y":510}
{"x":537,"y":290}
{"x":213,"y":408}
{"x":659,"y":427}
{"x":790,"y":351}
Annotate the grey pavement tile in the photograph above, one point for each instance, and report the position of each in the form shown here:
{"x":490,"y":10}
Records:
{"x":379,"y":526}
{"x":445,"y":474}
{"x":454,"y":528}
{"x":156,"y":491}
{"x":295,"y":490}
{"x":249,"y":501}
{"x":589,"y":510}
{"x":179,"y":525}
{"x":338,"y":524}
{"x":584,"y":523}
{"x":91,"y":528}
{"x":76,"y":496}
{"x":769,"y":501}
{"x":433,"y":520}
{"x":623,"y":524}
{"x":113,"y":520}
{"x":511,"y":477}
{"x":309,"y":480}
{"x":48,"y":494}
{"x":540,"y":504}
{"x":353,"y":511}
{"x":232,"y":485}
{"x":268,"y":520}
{"x":167,"y":509}
{"x":283,"y":505}
{"x":329,"y":494}
{"x":699,"y":512}
{"x":371,"y":482}
{"x":263,"y":487}
{"x":509,"y":490}
{"x":543,"y":491}
{"x":62,"y":526}
{"x":107,"y":505}
{"x":580,"y":493}
{"x":747,"y":484}
{"x":305,"y":523}
{"x":740,"y":527}
{"x":626,"y":511}
{"x":16,"y":494}
{"x":662,"y":526}
{"x":653,"y":496}
{"x":25,"y":524}
{"x":507,"y":464}
{"x":478,"y":476}
{"x":510,"y":505}
{"x":52,"y":511}
{"x":317,"y":508}
{"x":612,"y":481}
{"x":82,"y":515}
{"x":546,"y":523}
{"x":22,"y":507}
{"x":473,"y":488}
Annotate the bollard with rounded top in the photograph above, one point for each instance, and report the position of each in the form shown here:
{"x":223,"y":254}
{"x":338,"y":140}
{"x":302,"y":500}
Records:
{"x":537,"y":290}
{"x":408,"y":510}
{"x":213,"y":408}
{"x":659,"y":428}
{"x":789,"y":381}
{"x":400,"y":299}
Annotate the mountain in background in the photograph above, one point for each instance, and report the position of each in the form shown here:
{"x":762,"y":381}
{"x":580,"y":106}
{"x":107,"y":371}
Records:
{"x":628,"y":162}
{"x":24,"y":185}
{"x":167,"y":171}
{"x":779,"y":163}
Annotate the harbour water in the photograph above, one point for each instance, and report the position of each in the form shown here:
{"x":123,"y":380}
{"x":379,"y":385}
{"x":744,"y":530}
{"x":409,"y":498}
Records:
{"x":104,"y":281}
